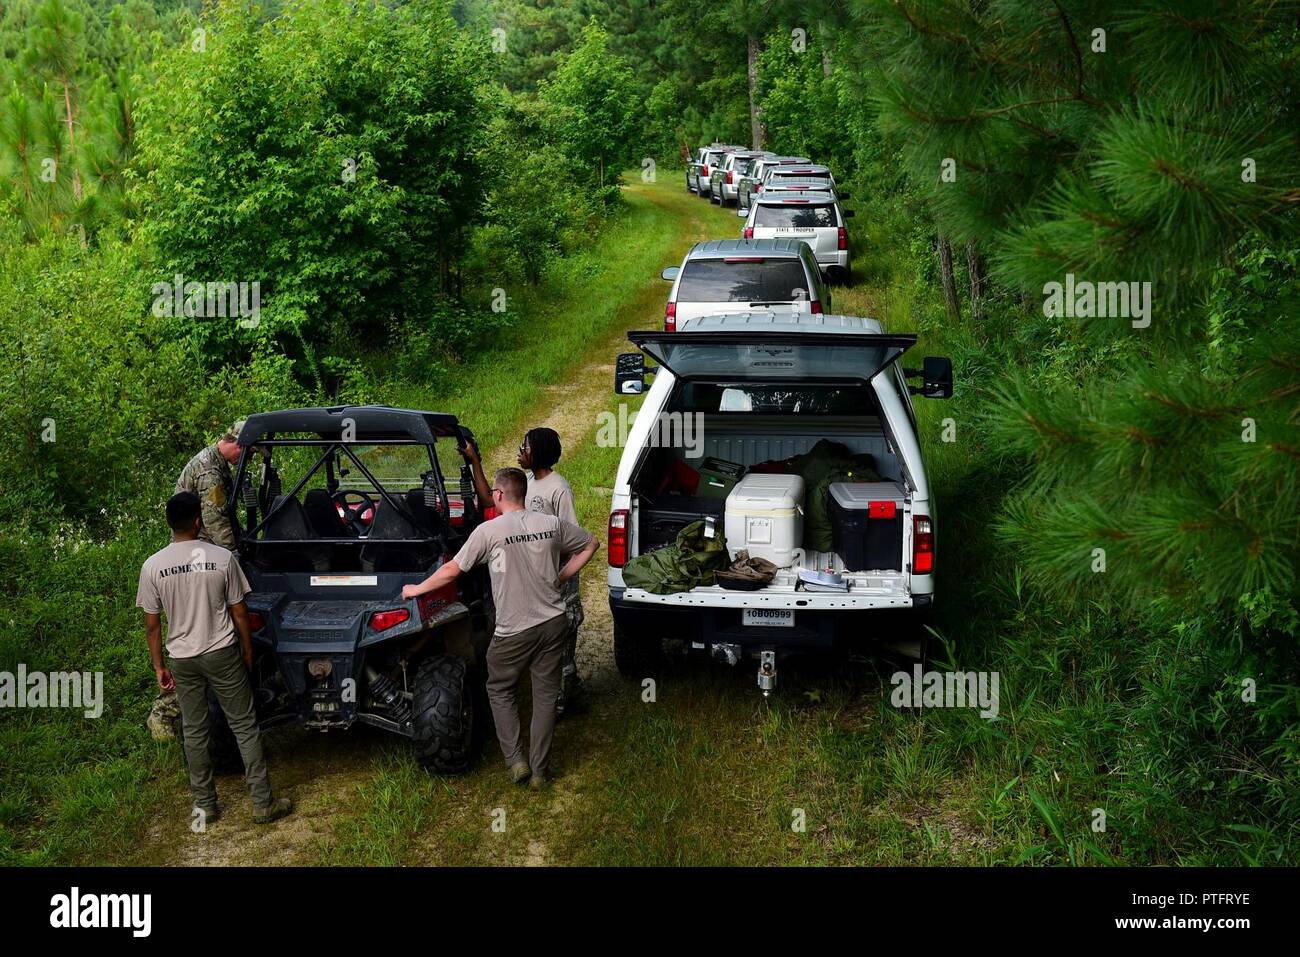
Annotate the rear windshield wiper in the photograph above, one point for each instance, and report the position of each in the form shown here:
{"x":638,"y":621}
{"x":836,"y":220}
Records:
{"x":774,"y":302}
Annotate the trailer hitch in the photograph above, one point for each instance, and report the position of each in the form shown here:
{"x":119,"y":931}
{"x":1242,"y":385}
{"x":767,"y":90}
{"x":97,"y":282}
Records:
{"x":767,"y":672}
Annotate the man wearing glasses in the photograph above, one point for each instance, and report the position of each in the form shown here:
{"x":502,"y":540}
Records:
{"x":525,"y":551}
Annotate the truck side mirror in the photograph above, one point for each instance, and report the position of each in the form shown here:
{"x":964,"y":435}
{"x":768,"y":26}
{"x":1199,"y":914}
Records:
{"x":629,"y":374}
{"x":845,"y":195}
{"x":936,"y":377}
{"x":743,"y":212}
{"x":670,"y":273}
{"x":848,"y":213}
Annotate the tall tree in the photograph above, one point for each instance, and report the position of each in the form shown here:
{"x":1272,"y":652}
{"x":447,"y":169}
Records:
{"x":596,"y":108}
{"x":1147,"y":142}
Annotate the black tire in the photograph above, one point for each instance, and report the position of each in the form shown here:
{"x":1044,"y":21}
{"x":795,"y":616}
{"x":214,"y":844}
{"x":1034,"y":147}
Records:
{"x":444,"y":716}
{"x":223,"y":749}
{"x":637,"y":656}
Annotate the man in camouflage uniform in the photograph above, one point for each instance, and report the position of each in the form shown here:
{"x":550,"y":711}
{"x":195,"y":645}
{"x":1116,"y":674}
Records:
{"x":208,"y":476}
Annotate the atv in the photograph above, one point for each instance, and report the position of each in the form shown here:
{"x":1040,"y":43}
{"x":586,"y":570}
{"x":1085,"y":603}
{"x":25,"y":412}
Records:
{"x":341,"y":507}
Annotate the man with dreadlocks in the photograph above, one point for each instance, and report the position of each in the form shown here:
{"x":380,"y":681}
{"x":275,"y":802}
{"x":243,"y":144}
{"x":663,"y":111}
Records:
{"x":549,"y":493}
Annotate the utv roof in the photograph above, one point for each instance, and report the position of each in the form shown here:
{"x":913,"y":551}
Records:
{"x":757,"y":321}
{"x":723,"y":248}
{"x":368,"y":421}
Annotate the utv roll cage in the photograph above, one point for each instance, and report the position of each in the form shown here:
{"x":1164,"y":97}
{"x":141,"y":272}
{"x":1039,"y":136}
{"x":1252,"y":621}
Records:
{"x":423,"y":513}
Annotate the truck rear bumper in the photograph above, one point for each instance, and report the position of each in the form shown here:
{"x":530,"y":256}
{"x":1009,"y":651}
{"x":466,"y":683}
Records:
{"x":819,"y":625}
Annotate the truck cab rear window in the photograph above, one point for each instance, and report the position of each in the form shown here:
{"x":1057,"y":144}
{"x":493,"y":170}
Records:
{"x":796,"y":215}
{"x":715,"y":280}
{"x":774,"y":400}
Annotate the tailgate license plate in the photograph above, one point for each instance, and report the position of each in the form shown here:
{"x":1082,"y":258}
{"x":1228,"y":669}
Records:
{"x":769,"y":617}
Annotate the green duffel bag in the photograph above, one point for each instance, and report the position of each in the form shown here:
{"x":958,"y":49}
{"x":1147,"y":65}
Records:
{"x":691,"y":560}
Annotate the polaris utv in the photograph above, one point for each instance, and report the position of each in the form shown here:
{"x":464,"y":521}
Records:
{"x":341,"y":507}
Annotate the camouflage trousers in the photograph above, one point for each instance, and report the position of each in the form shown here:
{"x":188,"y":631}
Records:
{"x":571,"y":690}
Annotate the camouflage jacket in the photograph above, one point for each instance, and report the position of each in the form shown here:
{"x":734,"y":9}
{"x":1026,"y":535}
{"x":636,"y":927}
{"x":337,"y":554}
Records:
{"x":208,"y":476}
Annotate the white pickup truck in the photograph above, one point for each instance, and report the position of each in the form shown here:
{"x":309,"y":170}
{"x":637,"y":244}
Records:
{"x":763,"y":388}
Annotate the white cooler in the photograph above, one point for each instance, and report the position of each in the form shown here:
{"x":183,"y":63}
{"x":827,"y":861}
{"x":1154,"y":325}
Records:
{"x":765,"y":517}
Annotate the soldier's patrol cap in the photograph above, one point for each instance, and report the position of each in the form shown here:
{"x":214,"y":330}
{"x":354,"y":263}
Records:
{"x":232,"y":433}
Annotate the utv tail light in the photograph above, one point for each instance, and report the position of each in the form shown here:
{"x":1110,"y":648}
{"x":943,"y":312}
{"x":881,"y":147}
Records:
{"x":618,"y":538}
{"x":844,"y":238}
{"x":383,"y":620}
{"x":749,"y":232}
{"x":670,"y":317}
{"x":922,"y":545}
{"x":256,"y":621}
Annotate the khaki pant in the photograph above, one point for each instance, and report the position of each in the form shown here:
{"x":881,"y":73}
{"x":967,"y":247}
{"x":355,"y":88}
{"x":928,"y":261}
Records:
{"x":539,"y":649}
{"x":224,"y":670}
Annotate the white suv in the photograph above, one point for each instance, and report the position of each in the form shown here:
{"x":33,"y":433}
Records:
{"x":763,"y":390}
{"x":732,"y":275}
{"x":814,"y":217}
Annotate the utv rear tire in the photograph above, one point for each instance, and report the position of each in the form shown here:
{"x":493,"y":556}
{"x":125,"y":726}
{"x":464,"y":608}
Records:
{"x":444,"y":715}
{"x":635,"y":655}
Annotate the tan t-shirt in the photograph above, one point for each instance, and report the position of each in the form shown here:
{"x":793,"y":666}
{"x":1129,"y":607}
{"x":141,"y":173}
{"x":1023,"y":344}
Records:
{"x":553,"y":496}
{"x":524,"y":551}
{"x":193,"y":584}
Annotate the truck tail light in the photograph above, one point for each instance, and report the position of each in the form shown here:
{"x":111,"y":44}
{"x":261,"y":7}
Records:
{"x":670,"y":317}
{"x":618,"y":538}
{"x":749,"y":232}
{"x":816,"y":308}
{"x":922,"y":545}
{"x":381,"y":620}
{"x":728,"y":177}
{"x":844,"y":238}
{"x":758,"y":187}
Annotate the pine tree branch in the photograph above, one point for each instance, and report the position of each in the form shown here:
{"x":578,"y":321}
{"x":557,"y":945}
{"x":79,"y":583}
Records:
{"x":1078,"y":56}
{"x":1186,"y":409}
